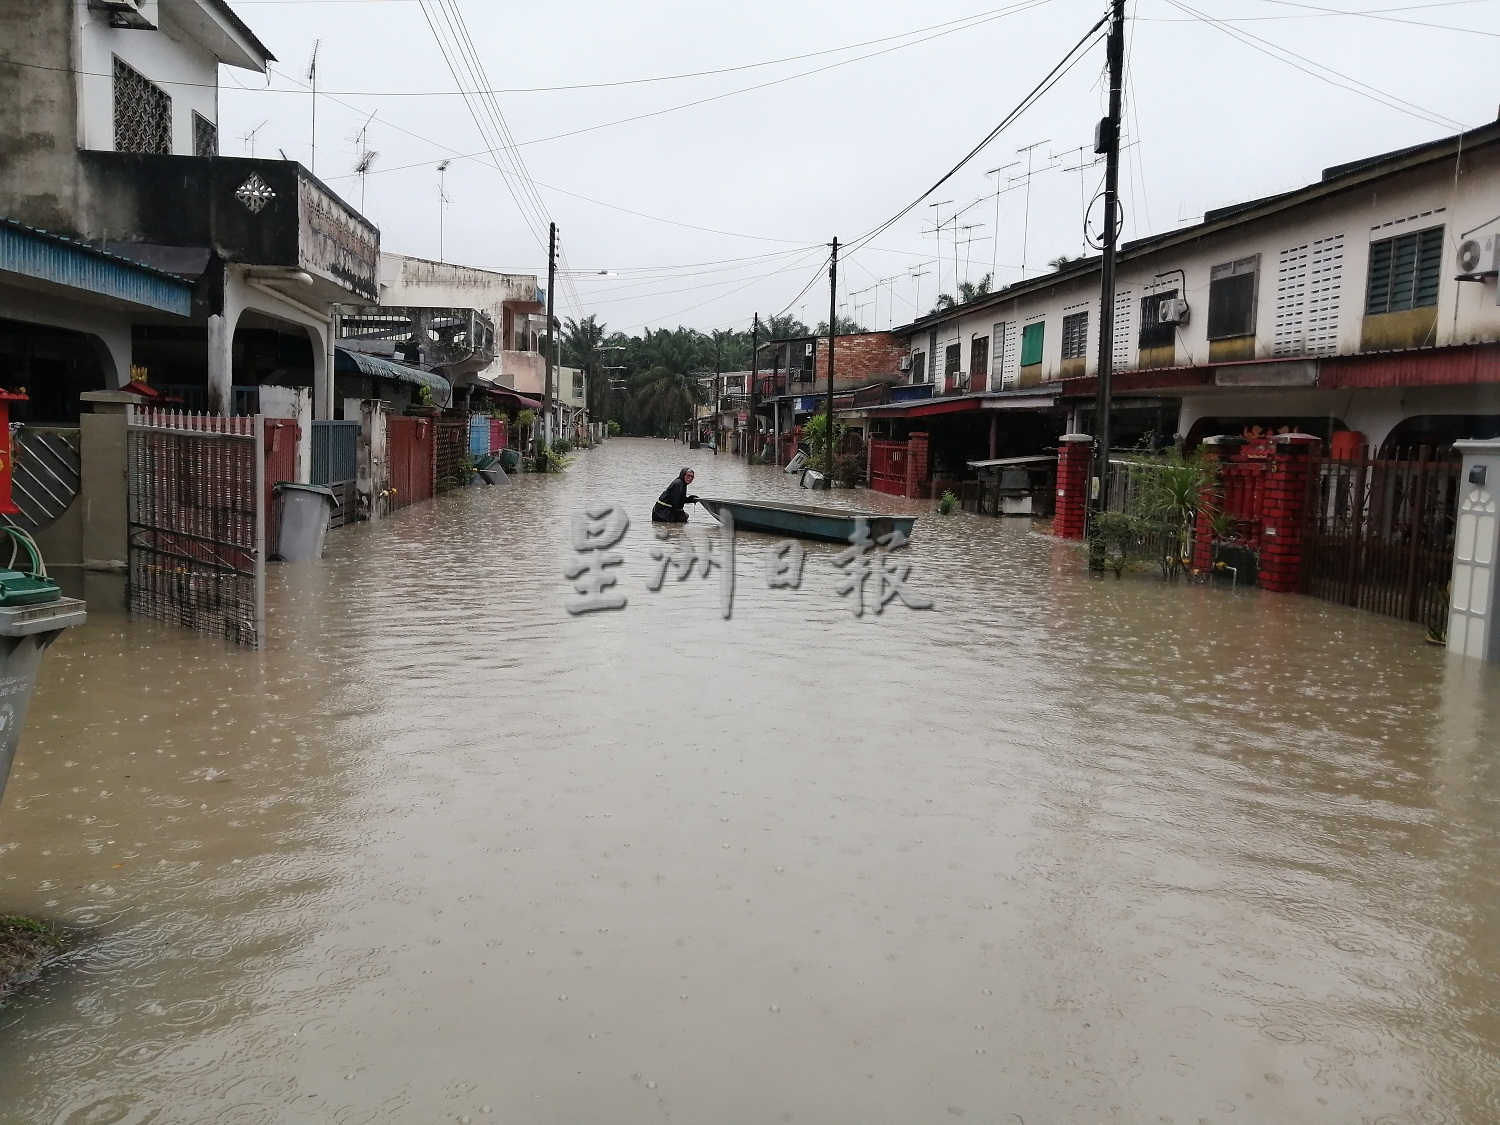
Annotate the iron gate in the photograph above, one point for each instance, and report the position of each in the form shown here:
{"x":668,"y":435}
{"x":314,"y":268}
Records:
{"x":45,"y":468}
{"x":197,"y":521}
{"x":1379,"y":534}
{"x":335,"y":463}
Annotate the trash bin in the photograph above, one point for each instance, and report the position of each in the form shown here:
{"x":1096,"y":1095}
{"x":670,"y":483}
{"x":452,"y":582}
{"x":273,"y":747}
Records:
{"x":510,"y":460}
{"x":25,"y":633}
{"x":305,"y":511}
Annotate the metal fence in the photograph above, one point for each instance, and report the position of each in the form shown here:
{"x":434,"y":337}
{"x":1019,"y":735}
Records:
{"x":335,"y":463}
{"x":451,"y":438}
{"x":1379,"y":534}
{"x":197,"y":520}
{"x":45,"y":474}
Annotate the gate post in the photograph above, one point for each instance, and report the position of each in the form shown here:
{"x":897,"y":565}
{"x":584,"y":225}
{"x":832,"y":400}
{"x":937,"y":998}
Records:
{"x":1074,"y":454}
{"x":1473,"y":616}
{"x":371,"y":465}
{"x":916,"y":466}
{"x":1284,"y":514}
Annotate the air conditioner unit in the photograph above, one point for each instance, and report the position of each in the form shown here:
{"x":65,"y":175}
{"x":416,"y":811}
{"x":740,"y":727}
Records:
{"x":906,"y":363}
{"x":1477,"y":260}
{"x":1174,"y":310}
{"x":123,"y":14}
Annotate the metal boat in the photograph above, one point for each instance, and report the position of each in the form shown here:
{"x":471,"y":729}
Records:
{"x":806,"y":521}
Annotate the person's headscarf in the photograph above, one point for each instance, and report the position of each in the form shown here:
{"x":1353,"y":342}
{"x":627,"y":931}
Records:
{"x":682,"y":473}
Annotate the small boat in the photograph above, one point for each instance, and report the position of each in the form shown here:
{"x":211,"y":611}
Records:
{"x":805,"y":521}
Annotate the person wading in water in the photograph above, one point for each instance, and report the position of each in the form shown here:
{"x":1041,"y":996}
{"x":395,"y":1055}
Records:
{"x":669,"y":505}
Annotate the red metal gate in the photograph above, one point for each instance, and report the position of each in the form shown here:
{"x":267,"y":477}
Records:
{"x":410,"y":449}
{"x":888,"y":466}
{"x":281,"y":436}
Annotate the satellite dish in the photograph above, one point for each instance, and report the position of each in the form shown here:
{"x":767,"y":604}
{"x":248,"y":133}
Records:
{"x":1468,"y":256}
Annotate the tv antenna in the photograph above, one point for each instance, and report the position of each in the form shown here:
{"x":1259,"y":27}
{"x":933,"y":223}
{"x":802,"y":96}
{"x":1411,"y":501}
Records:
{"x":312,"y":81}
{"x":249,"y":138}
{"x":367,"y":156}
{"x":443,"y":201}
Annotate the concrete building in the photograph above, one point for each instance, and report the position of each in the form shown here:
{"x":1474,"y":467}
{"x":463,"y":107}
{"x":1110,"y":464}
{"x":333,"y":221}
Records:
{"x":1364,"y":303}
{"x":109,"y":136}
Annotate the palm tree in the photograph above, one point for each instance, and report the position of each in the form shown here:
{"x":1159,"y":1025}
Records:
{"x":666,"y":390}
{"x":967,"y":291}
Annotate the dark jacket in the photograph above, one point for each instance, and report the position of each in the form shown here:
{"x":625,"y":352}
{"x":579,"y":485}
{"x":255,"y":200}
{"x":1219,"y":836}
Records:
{"x":673,"y":497}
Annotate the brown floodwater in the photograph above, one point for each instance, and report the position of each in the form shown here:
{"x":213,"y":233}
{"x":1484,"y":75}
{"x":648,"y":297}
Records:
{"x":1058,"y":850}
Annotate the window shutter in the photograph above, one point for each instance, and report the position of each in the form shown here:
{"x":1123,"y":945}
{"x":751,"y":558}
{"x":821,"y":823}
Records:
{"x":1031,"y":343}
{"x":1122,"y":329}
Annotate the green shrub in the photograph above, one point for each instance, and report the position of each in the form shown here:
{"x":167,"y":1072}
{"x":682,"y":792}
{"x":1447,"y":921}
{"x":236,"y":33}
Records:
{"x":561,"y":445}
{"x":945,"y":504}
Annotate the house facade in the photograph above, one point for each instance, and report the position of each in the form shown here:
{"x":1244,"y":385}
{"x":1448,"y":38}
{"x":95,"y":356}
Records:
{"x":109,"y":137}
{"x":1363,"y":304}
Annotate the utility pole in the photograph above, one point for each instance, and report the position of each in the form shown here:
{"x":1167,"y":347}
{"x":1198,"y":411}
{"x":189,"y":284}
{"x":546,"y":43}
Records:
{"x":833,"y":331}
{"x":546,"y":427}
{"x":750,"y":418}
{"x":1107,"y":141}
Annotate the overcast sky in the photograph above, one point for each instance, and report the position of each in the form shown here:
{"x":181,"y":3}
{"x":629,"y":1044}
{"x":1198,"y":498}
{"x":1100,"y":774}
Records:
{"x":754,"y":183}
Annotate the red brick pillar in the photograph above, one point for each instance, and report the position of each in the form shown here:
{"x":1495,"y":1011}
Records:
{"x":1219,"y":450}
{"x":1075,"y":456}
{"x":916,"y":467}
{"x":1285,"y":499}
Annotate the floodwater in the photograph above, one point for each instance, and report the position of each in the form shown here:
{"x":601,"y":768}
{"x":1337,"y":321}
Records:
{"x":1059,"y":850}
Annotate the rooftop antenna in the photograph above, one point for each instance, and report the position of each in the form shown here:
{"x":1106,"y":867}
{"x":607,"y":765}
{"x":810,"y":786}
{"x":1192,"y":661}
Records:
{"x":442,"y":171}
{"x":312,"y":81}
{"x":995,"y":248}
{"x":249,"y":138}
{"x":938,"y":223}
{"x":1030,"y":151}
{"x":968,"y":242}
{"x":367,"y":156}
{"x":890,"y":312}
{"x":917,"y":274}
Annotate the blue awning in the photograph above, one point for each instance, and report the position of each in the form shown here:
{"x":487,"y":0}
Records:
{"x":358,"y":363}
{"x":28,"y":252}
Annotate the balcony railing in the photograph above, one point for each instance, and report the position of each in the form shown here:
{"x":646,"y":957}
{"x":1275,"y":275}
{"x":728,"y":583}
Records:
{"x":435,"y":337}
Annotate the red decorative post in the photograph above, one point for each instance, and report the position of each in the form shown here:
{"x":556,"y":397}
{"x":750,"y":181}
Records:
{"x":7,"y":505}
{"x":1284,"y":511}
{"x":1075,"y":454}
{"x":916,"y":467}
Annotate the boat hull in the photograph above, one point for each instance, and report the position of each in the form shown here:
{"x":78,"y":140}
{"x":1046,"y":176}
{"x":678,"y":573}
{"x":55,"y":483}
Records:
{"x":804,"y":521}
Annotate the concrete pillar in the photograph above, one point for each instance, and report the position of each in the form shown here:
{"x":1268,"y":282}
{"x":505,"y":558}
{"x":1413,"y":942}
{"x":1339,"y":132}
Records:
{"x":1472,"y":611}
{"x":103,"y":490}
{"x":994,"y":435}
{"x":294,"y":403}
{"x":322,"y":393}
{"x":1075,"y":454}
{"x":220,"y":364}
{"x":1284,"y":513}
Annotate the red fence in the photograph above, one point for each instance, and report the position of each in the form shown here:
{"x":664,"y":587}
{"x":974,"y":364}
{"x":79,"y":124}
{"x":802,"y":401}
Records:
{"x":499,"y":430}
{"x":410,"y":450}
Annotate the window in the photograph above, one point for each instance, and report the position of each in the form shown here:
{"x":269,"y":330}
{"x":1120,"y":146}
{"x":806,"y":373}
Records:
{"x":143,"y":113}
{"x":919,"y":367}
{"x":1231,"y":298}
{"x":1075,"y":336}
{"x":979,"y":362}
{"x":1309,"y":283}
{"x":578,"y":382}
{"x":1404,"y":272}
{"x":1005,"y":352}
{"x":1031,"y":343}
{"x":1121,"y":336}
{"x":205,"y":136}
{"x":951,"y":359}
{"x":1155,"y":334}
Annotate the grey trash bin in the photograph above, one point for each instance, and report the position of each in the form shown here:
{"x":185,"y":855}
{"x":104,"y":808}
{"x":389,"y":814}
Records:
{"x":25,"y":633}
{"x":305,"y":512}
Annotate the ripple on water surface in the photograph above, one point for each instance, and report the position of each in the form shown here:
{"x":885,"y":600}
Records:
{"x":1060,"y":849}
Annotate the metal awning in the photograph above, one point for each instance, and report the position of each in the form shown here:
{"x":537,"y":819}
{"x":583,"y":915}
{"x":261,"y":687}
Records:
{"x":84,"y":272}
{"x":357,"y":363}
{"x":512,"y":398}
{"x":1001,"y":461}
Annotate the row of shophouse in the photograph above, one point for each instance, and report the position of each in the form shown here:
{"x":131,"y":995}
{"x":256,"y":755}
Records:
{"x":148,"y":281}
{"x":1361,"y":310}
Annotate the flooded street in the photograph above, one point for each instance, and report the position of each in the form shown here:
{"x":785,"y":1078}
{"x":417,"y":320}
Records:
{"x":1059,"y":850}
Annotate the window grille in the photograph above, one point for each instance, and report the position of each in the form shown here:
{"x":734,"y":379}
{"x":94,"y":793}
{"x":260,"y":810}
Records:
{"x":1031,"y":343}
{"x":979,"y":362}
{"x":1404,"y":272}
{"x":951,"y":359}
{"x":143,"y":113}
{"x":205,"y":136}
{"x":1075,"y":336}
{"x":1122,"y":330}
{"x":1155,"y":334}
{"x":919,"y":367}
{"x":1231,"y":298}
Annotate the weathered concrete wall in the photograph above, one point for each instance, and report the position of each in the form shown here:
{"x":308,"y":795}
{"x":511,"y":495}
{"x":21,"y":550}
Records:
{"x":38,"y":115}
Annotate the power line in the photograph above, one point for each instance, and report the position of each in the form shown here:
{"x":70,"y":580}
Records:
{"x":1364,"y":90}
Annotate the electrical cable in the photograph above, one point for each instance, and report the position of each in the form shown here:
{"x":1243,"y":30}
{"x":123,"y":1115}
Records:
{"x":1364,"y":90}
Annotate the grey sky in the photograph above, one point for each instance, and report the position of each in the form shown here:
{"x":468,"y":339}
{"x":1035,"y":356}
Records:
{"x":1212,"y":121}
